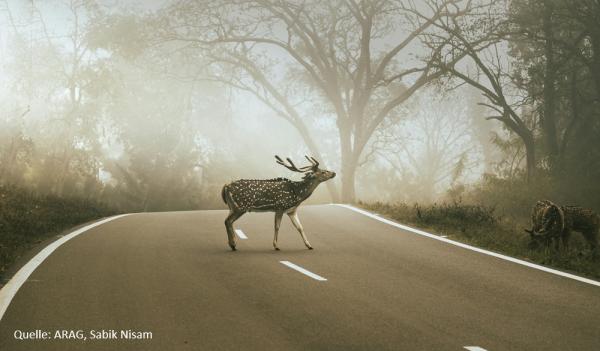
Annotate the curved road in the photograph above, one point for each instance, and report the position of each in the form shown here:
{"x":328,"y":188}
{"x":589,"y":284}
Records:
{"x":172,"y":275}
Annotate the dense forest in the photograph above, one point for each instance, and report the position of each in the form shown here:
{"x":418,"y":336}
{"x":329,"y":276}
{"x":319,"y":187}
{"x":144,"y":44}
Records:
{"x":155,"y":106}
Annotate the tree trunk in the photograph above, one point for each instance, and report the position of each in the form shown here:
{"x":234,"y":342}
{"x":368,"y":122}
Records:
{"x":595,"y":62}
{"x":529,"y":158}
{"x":348,"y":165}
{"x":568,"y":130}
{"x":529,"y":142}
{"x":348,"y":186}
{"x":548,"y":119}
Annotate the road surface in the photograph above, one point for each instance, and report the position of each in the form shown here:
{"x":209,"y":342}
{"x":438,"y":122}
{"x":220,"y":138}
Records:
{"x":172,"y":276}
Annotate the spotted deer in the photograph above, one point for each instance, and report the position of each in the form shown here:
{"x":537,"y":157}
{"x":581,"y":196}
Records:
{"x":279,"y":195}
{"x":551,"y":222}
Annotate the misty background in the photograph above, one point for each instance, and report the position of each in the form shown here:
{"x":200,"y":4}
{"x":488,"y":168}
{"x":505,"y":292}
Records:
{"x":151,"y":106}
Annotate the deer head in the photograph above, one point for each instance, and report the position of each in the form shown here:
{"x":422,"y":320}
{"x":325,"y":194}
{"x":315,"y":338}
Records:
{"x":536,"y":239}
{"x":311,"y":171}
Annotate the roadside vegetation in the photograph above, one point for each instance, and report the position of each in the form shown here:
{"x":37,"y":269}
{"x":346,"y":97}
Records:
{"x":27,"y":219}
{"x":495,"y":224}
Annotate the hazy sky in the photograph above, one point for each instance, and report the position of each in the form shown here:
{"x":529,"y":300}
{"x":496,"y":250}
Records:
{"x":240,"y":127}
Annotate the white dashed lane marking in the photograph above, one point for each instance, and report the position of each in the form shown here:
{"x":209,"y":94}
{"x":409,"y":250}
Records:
{"x":474,"y":348}
{"x":241,"y":234}
{"x":303,"y":271}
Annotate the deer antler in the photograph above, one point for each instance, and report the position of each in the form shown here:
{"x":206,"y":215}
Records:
{"x":313,"y":161}
{"x":292,"y":166}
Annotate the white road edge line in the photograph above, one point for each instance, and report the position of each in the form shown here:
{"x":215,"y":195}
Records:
{"x":474,"y":348}
{"x":241,"y":234}
{"x":9,"y":290}
{"x":472,"y":248}
{"x":303,"y":271}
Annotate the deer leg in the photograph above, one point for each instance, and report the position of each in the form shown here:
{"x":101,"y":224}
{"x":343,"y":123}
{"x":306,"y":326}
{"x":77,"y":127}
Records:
{"x":547,"y":243}
{"x":233,"y":216}
{"x":278,"y":216}
{"x":294,"y":218}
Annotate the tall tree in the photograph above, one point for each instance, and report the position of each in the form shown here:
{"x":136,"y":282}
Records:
{"x":486,"y":67}
{"x":356,"y":56}
{"x":548,"y":117}
{"x":56,"y":73}
{"x":557,"y":57}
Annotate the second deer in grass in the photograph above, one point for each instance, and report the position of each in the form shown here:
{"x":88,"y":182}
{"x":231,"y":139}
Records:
{"x":277,"y":195}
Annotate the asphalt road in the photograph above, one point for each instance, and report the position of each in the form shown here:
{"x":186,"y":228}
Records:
{"x":172,"y":274}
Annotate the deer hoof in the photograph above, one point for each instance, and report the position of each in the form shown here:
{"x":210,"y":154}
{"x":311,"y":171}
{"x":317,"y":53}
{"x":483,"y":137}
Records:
{"x":310,"y":247}
{"x":233,"y":248}
{"x":277,"y":248}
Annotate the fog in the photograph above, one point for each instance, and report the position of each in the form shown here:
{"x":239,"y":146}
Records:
{"x":156,"y":105}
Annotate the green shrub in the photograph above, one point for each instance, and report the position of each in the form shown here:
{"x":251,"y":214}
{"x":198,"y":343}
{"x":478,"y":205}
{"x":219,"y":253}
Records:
{"x":27,"y":219}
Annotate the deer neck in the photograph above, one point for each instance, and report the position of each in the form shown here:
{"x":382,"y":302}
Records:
{"x":305,"y":188}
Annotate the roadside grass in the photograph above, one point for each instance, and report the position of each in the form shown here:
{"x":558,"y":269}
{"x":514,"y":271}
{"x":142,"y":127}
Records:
{"x":27,"y":219}
{"x":480,"y":226}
